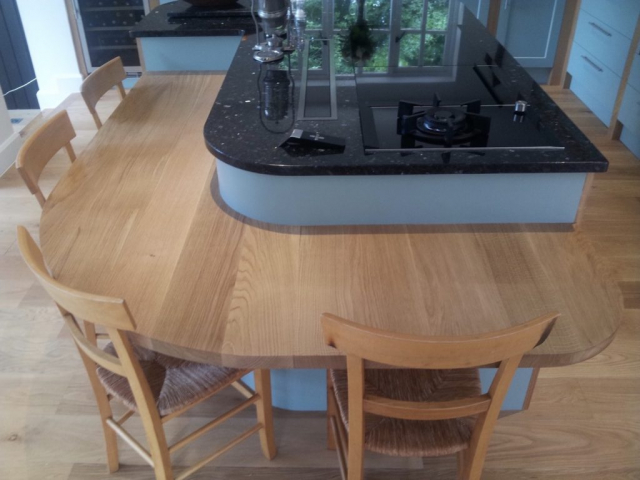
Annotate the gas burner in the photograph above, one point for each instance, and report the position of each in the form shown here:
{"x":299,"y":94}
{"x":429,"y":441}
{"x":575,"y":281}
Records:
{"x":443,"y":125}
{"x":442,"y":119}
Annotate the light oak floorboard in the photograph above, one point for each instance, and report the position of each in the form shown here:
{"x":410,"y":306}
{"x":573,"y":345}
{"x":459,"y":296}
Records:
{"x":584,"y":420}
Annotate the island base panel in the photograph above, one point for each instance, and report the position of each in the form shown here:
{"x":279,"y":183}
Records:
{"x":401,"y":199}
{"x":631,"y":140}
{"x":306,"y":390}
{"x":195,"y":54}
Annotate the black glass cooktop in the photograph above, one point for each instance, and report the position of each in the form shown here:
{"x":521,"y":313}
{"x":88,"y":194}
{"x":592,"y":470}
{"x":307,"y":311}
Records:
{"x":458,"y":107}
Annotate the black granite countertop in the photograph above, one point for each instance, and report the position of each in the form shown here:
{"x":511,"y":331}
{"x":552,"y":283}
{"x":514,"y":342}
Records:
{"x":258,"y":107}
{"x":160,"y":23}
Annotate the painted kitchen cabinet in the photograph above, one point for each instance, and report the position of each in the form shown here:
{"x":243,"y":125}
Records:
{"x":480,"y":8}
{"x":530,"y":30}
{"x":601,"y":44}
{"x":162,"y":54}
{"x":629,"y":115}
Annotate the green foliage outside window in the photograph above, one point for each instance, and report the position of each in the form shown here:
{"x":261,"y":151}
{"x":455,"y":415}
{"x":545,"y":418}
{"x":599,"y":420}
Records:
{"x":368,"y":21}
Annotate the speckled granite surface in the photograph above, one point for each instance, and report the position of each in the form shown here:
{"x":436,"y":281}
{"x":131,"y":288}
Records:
{"x":159,"y":23}
{"x":242,"y":129}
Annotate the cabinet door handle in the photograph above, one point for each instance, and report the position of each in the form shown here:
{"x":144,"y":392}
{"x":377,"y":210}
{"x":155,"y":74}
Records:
{"x":598,"y":27}
{"x":592,"y":63}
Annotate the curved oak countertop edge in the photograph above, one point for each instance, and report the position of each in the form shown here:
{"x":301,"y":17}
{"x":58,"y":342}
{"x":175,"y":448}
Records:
{"x":134,"y":217}
{"x":338,"y":361}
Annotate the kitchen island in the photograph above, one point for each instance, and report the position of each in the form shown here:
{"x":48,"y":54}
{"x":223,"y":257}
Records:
{"x":179,"y":37}
{"x":207,"y":284}
{"x":529,"y":168}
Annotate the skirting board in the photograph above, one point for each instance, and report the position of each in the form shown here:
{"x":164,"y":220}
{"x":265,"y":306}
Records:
{"x":9,"y":151}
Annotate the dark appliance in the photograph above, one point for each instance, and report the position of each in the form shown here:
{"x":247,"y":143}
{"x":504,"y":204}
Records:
{"x":462,"y":108}
{"x":104,"y":31}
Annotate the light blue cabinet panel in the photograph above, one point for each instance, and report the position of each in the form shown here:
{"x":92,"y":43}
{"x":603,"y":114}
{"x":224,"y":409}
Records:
{"x":480,"y":9}
{"x":593,"y":82}
{"x":632,"y":140}
{"x":603,"y":42}
{"x":530,"y":30}
{"x":630,"y":110}
{"x":619,"y":14}
{"x":634,"y":75}
{"x":189,"y":53}
{"x":306,"y":390}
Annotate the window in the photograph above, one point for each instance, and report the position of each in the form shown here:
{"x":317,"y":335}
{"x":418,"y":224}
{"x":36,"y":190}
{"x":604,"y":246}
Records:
{"x":407,"y":33}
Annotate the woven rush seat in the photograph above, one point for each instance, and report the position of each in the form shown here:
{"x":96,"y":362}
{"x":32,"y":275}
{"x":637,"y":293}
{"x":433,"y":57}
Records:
{"x":413,"y":438}
{"x":175,"y":383}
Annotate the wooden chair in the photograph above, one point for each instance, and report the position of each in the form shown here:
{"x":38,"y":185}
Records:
{"x":416,"y":412}
{"x":156,"y":386}
{"x":103,"y":79}
{"x":41,"y":146}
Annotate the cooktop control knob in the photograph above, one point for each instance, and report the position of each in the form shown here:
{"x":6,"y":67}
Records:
{"x":521,"y":107}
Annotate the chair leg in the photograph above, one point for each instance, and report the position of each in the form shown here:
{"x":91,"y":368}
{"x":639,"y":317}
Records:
{"x":111,"y":443}
{"x":110,"y":438}
{"x":355,"y":460}
{"x":159,"y":450}
{"x":332,"y":411}
{"x":461,"y":461}
{"x":265,"y":412}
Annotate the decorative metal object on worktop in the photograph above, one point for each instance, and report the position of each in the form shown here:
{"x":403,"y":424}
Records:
{"x":457,"y":103}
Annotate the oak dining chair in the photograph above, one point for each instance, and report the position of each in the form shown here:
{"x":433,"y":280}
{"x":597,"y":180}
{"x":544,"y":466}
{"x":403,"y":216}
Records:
{"x":99,"y":82}
{"x":158,"y":387}
{"x":55,"y":134}
{"x":431,"y":405}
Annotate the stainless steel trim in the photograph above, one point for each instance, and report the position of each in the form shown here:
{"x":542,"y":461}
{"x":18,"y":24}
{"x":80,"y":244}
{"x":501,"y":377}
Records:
{"x":270,"y":15}
{"x":332,"y":82}
{"x":598,"y":27}
{"x":592,"y":63}
{"x":455,"y":149}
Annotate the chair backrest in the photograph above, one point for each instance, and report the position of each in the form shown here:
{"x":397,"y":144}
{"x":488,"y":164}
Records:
{"x":504,"y":347}
{"x":110,"y":313}
{"x":109,"y":75}
{"x":114,"y":316}
{"x":41,"y":146}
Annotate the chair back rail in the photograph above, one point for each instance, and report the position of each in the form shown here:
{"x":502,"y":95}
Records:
{"x":411,"y":351}
{"x":103,"y":79}
{"x":55,"y":134}
{"x":114,"y":316}
{"x":361,"y":343}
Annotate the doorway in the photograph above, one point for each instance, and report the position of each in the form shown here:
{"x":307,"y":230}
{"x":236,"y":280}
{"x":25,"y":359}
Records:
{"x":17,"y":76}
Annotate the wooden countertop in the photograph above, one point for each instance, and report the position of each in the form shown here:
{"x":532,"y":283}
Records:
{"x":138,"y":216}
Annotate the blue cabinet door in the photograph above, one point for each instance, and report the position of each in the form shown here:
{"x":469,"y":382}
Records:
{"x":530,"y":30}
{"x":480,"y":9}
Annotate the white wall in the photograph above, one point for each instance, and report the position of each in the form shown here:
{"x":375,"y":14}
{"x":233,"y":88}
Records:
{"x":5,"y":124}
{"x":9,"y":141}
{"x":46,"y":26}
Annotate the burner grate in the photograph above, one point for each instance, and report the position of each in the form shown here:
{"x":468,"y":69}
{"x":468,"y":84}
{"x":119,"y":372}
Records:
{"x":443,"y":125}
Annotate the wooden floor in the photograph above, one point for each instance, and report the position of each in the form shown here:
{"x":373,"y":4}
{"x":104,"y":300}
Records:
{"x":584,"y":421}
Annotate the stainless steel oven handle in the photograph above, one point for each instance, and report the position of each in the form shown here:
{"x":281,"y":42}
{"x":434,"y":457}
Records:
{"x":598,"y":27}
{"x":592,"y":63}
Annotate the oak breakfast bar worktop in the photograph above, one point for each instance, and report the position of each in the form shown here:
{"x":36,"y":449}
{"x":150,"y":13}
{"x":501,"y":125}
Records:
{"x":139,"y":216}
